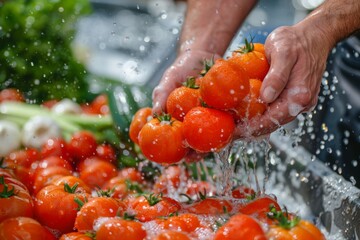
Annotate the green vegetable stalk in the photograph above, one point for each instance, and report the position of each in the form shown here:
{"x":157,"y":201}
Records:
{"x":35,"y":48}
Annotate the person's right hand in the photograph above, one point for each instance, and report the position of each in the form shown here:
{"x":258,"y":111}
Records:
{"x":188,"y":63}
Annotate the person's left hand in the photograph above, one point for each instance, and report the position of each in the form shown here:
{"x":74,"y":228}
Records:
{"x":297,"y":58}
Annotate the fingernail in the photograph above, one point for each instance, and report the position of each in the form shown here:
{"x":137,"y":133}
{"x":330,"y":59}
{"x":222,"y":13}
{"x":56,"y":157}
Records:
{"x":269,"y":94}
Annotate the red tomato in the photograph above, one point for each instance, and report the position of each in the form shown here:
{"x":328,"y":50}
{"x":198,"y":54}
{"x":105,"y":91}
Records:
{"x":253,"y":62}
{"x":243,"y":192}
{"x":224,"y":85}
{"x":208,"y":130}
{"x":171,"y":235}
{"x":182,"y":99}
{"x":15,"y":199}
{"x":141,"y":117}
{"x":132,"y":174}
{"x":76,"y":236}
{"x":186,"y":222}
{"x":23,"y":228}
{"x":11,"y":94}
{"x":55,"y":147}
{"x":242,"y":227}
{"x":100,"y":105}
{"x":54,"y":161}
{"x":49,"y":103}
{"x":170,"y":178}
{"x":259,"y":207}
{"x":161,"y":140}
{"x":150,"y":207}
{"x":23,"y":157}
{"x":119,"y":187}
{"x":116,"y":228}
{"x":72,"y":181}
{"x":106,"y":152}
{"x":213,"y":206}
{"x":44,"y":176}
{"x":56,"y":206}
{"x":82,"y":145}
{"x":97,"y":173}
{"x":288,"y":227}
{"x":195,"y":187}
{"x":251,"y":106}
{"x":96,"y":208}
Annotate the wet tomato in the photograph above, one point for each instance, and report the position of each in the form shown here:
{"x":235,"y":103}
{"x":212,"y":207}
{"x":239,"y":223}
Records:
{"x":170,"y":178}
{"x":15,"y":199}
{"x":251,"y":106}
{"x":212,"y":206}
{"x":224,"y":85}
{"x":182,"y":99}
{"x":141,"y":117}
{"x":76,"y":236}
{"x":186,"y":222}
{"x":11,"y":94}
{"x":100,"y":105}
{"x":253,"y":62}
{"x":71,"y":181}
{"x":95,"y":208}
{"x":95,"y":172}
{"x":82,"y":145}
{"x":44,"y":176}
{"x":55,"y":147}
{"x":162,"y":140}
{"x":117,"y":228}
{"x":56,"y":206}
{"x":23,"y":228}
{"x":152,"y":206}
{"x":171,"y":235}
{"x":288,"y":226}
{"x":240,"y":226}
{"x":208,"y":130}
{"x":241,"y":192}
{"x":259,"y":207}
{"x":106,"y":152}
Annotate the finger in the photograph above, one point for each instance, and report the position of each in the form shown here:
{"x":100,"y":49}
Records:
{"x":277,"y":78}
{"x":161,"y":92}
{"x":277,"y":114}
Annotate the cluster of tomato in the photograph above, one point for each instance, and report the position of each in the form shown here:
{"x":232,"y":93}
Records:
{"x":202,"y":114}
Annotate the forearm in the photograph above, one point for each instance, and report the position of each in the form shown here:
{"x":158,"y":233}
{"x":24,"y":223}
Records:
{"x":210,"y":25}
{"x":334,"y":20}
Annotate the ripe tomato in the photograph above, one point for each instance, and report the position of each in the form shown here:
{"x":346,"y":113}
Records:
{"x":208,"y":130}
{"x":288,"y":227}
{"x":147,"y":208}
{"x":15,"y":199}
{"x":72,"y":181}
{"x":170,"y":178}
{"x":171,"y":235}
{"x":76,"y":236}
{"x":22,"y":157}
{"x":106,"y":152}
{"x":243,"y":192}
{"x":186,"y":222}
{"x":82,"y":145}
{"x":97,"y":172}
{"x":162,"y":140}
{"x":193,"y":188}
{"x":224,"y":85}
{"x":49,"y":103}
{"x":120,"y":187}
{"x":44,"y":176}
{"x":259,"y":207}
{"x":53,"y":161}
{"x":132,"y":174}
{"x":23,"y":228}
{"x":11,"y":94}
{"x":212,"y":206}
{"x":182,"y":99}
{"x":253,"y":62}
{"x":100,"y":105}
{"x":242,"y":227}
{"x":55,"y":147}
{"x":95,"y":208}
{"x":141,"y":117}
{"x":117,"y":228}
{"x":251,"y":106}
{"x":56,"y":206}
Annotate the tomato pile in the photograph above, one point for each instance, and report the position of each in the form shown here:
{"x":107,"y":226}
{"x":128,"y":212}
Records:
{"x":76,"y":188}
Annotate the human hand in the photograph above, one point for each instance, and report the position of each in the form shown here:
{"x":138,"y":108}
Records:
{"x":297,"y":58}
{"x":188,"y":63}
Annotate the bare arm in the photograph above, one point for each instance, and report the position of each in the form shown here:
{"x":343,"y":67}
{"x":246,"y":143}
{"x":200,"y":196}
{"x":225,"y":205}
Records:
{"x":297,"y":56}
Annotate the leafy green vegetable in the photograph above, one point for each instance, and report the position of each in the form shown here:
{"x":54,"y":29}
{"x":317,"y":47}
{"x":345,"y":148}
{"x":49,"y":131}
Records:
{"x":35,"y":48}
